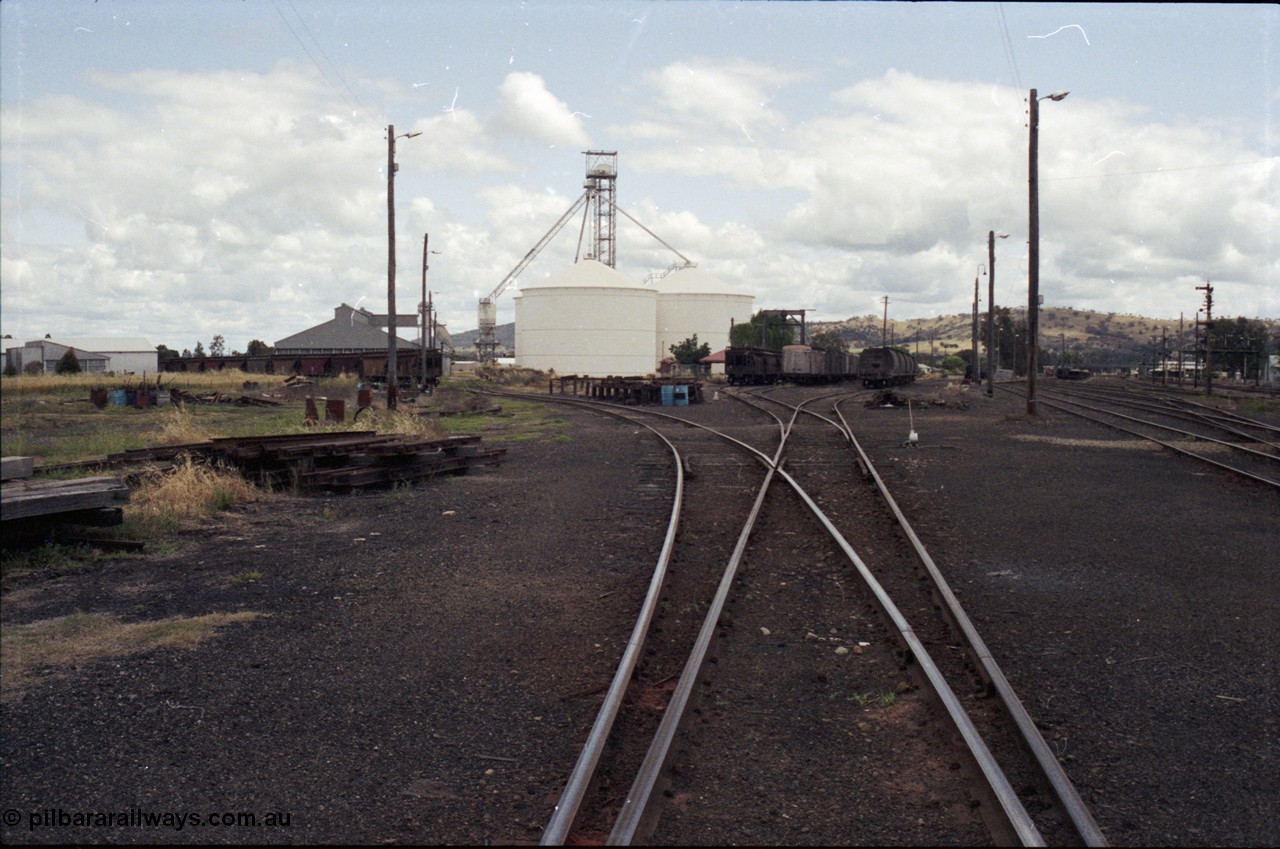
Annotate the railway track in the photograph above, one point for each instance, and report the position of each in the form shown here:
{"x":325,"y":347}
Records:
{"x":788,"y":633}
{"x":1222,"y":438}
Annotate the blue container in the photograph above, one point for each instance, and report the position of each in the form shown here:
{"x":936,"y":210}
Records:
{"x":668,"y":396}
{"x":131,"y":397}
{"x":117,"y":397}
{"x":681,"y":396}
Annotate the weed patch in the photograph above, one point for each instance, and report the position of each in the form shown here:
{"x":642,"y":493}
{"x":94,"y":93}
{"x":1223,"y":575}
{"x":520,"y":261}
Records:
{"x":55,"y":645}
{"x":189,"y":491}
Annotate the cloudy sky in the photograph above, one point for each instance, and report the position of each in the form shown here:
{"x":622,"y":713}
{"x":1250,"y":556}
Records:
{"x":177,"y":169}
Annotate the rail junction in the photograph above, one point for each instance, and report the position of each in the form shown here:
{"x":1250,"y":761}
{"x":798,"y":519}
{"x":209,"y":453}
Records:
{"x":791,"y":591}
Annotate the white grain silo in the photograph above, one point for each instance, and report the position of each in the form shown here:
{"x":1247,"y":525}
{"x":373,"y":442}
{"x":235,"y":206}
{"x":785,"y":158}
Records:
{"x":588,"y":319}
{"x":692,"y":302}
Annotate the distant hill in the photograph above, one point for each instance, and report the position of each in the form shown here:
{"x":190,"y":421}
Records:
{"x":1103,"y":337}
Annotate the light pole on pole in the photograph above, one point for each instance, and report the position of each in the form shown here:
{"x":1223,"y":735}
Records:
{"x":1033,"y":248}
{"x":975,"y":363}
{"x":393,"y":385}
{"x":991,"y":309}
{"x":424,"y":307}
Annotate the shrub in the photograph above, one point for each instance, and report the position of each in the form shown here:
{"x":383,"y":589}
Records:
{"x":68,"y":364}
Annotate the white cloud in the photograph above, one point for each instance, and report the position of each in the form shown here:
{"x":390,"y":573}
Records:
{"x":239,"y":203}
{"x":528,"y":110}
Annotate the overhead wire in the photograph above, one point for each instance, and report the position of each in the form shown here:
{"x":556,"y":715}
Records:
{"x":358,"y":106}
{"x":1008,"y":45}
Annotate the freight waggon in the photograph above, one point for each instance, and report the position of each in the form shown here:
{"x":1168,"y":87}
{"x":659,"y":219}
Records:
{"x":879,"y":367}
{"x":752,"y":366}
{"x":368,"y":366}
{"x":875,"y":367}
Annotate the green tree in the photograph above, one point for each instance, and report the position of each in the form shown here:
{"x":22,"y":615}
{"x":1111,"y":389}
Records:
{"x":1237,"y":345}
{"x":689,"y":352}
{"x":199,"y":352}
{"x":258,"y":348}
{"x":952,"y":363}
{"x":163,"y":352}
{"x":751,"y":334}
{"x":828,"y":340}
{"x":217,"y":345}
{"x":10,"y":370}
{"x":68,"y":364}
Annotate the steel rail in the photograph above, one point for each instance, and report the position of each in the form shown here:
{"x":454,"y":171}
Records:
{"x":635,"y":807}
{"x":1169,"y":445}
{"x":1201,"y":437}
{"x":1081,"y":819}
{"x":556,"y":831}
{"x":1167,"y":408}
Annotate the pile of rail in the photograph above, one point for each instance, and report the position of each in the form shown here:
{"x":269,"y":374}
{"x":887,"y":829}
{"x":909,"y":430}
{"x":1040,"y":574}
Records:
{"x":349,"y":460}
{"x":307,"y":462}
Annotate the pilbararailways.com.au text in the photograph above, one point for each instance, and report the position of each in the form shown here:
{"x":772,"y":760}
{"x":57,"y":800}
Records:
{"x":140,"y":818}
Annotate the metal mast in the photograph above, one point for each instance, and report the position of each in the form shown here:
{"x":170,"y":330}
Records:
{"x":601,"y":186}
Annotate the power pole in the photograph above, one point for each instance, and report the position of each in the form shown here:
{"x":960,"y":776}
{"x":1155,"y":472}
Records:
{"x":884,"y":332}
{"x":1033,"y":256}
{"x":1033,"y":247}
{"x":1182,"y":350}
{"x":991,"y":311}
{"x":975,"y":372}
{"x":393,"y":384}
{"x":1164,"y":352}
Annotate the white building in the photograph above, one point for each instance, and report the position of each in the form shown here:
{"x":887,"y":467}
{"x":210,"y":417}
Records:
{"x":105,"y":354}
{"x":587,"y":319}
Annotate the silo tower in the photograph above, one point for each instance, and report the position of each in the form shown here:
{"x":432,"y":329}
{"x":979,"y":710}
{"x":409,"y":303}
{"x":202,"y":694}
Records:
{"x":602,"y":178}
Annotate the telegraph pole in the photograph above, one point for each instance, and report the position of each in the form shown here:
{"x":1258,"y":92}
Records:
{"x":991,"y":312}
{"x":1033,"y":247}
{"x":974,"y":367}
{"x":393,"y":385}
{"x":884,"y":332}
{"x":1033,"y":257}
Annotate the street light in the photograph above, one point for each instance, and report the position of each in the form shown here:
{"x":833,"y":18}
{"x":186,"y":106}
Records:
{"x":425,"y":308}
{"x":974,"y":364}
{"x":393,"y":386}
{"x":1033,"y":250}
{"x":991,"y":309}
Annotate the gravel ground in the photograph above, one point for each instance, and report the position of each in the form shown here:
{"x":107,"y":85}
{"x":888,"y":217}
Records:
{"x":429,"y":661}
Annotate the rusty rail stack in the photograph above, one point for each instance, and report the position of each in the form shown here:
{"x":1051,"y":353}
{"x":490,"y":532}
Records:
{"x":305,"y":462}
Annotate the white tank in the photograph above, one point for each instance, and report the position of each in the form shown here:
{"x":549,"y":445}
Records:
{"x":587,"y":319}
{"x":690,"y":301}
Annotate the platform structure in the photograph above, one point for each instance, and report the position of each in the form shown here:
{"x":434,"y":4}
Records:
{"x":667,"y":391}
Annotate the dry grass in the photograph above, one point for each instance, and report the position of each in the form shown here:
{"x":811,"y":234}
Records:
{"x":55,"y":645}
{"x":406,"y":422}
{"x":230,"y":380}
{"x":179,"y":427}
{"x":191,"y":491}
